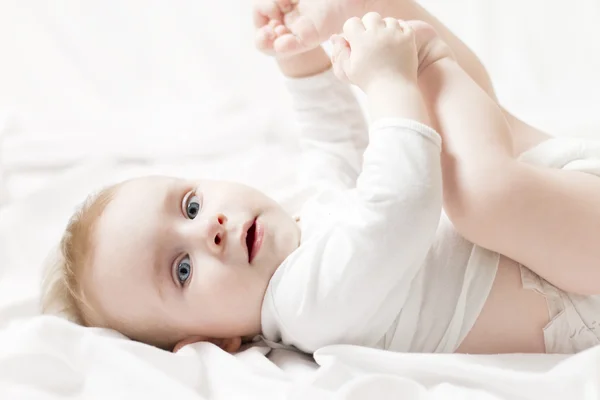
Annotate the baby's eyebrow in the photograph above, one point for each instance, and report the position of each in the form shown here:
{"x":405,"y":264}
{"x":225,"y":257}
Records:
{"x":157,"y":276}
{"x":171,"y":199}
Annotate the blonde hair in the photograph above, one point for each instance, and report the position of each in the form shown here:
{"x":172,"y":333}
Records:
{"x":62,"y":293}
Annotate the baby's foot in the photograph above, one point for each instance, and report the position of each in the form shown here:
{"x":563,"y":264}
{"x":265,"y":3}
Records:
{"x":312,"y":22}
{"x":376,"y":49}
{"x":430,"y":46}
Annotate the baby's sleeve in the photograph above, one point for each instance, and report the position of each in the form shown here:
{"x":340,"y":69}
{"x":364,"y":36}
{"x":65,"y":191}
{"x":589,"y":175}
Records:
{"x":362,"y":248}
{"x":333,"y":131}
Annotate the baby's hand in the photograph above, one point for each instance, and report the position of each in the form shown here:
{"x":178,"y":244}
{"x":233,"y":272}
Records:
{"x":375,"y":49}
{"x":268,"y":34}
{"x":268,"y":20}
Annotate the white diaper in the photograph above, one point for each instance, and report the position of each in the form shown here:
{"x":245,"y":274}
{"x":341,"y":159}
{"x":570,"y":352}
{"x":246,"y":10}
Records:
{"x":574,"y":320}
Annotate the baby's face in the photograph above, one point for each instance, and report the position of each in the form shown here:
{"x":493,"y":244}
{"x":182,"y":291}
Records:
{"x":188,"y":258}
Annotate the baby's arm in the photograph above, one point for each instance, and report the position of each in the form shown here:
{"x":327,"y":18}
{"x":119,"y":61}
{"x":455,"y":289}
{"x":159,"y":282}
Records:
{"x":304,"y":65}
{"x":332,"y":127}
{"x":362,"y":248}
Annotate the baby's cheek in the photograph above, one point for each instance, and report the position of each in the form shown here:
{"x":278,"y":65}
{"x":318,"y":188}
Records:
{"x":221,"y":282}
{"x":244,"y":286}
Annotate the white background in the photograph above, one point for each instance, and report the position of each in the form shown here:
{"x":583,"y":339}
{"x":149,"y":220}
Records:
{"x":82,"y":79}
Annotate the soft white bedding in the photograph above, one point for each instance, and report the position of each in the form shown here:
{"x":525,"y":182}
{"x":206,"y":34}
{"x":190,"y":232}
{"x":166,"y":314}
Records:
{"x":95,"y":92}
{"x":46,"y":357}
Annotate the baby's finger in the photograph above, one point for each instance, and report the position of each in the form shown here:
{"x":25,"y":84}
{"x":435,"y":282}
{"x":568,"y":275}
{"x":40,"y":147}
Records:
{"x":303,"y":28}
{"x":285,"y":5}
{"x":339,"y":44}
{"x":288,"y":44}
{"x":353,"y":27}
{"x":339,"y":56}
{"x":339,"y":70}
{"x":264,"y":39}
{"x":281,"y":30}
{"x":406,"y":28}
{"x":336,"y":40}
{"x":373,"y":20}
{"x":291,"y":17}
{"x":392,"y":23}
{"x":265,"y":12}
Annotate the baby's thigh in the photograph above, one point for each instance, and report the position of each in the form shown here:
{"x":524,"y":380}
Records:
{"x":524,"y":136}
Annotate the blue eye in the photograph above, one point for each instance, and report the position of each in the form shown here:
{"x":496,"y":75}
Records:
{"x":184,"y":269}
{"x":192,"y":208}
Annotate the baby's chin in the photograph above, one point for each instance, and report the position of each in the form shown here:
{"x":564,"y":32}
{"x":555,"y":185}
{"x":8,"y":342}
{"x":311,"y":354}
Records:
{"x":283,"y":238}
{"x":291,"y":236}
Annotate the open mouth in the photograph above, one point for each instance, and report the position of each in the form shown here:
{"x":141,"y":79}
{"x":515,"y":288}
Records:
{"x":251,"y":240}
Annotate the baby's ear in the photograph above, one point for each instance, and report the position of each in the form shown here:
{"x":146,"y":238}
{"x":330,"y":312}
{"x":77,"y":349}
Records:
{"x":230,"y":345}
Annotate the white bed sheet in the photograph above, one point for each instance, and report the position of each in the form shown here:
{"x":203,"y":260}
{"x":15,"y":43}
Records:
{"x":46,"y":357}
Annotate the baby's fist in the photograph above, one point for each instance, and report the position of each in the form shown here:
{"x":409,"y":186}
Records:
{"x":375,"y":49}
{"x":268,"y":20}
{"x":268,"y":34}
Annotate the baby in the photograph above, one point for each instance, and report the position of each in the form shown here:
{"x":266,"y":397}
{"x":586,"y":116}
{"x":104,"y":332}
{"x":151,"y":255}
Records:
{"x":407,"y":245}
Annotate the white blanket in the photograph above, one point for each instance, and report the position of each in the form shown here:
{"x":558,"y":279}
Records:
{"x":46,"y":357}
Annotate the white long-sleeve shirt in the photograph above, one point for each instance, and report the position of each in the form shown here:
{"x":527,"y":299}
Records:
{"x":379,"y":263}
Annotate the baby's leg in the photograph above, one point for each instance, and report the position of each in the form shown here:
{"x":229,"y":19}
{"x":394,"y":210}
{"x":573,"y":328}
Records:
{"x":546,"y":219}
{"x":523,"y":135}
{"x":476,"y":136}
{"x":312,"y":21}
{"x":411,"y":10}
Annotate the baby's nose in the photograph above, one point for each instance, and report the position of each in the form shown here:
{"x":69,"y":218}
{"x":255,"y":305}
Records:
{"x":216,"y":232}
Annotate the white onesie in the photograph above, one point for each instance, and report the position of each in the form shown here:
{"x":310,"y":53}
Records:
{"x":379,"y":263}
